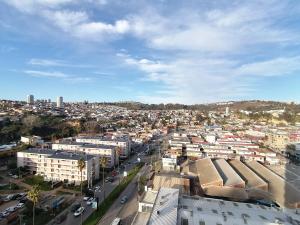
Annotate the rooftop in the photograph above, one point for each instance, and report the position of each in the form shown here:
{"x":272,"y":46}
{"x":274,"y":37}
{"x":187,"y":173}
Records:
{"x":206,"y":211}
{"x":165,"y":207}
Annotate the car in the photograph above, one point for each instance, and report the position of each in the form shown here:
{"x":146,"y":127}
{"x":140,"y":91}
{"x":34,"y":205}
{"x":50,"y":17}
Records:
{"x":8,"y":198}
{"x":15,"y":176}
{"x":86,"y":198}
{"x":109,"y":179}
{"x":5,"y":213}
{"x":11,"y":209}
{"x":97,"y":189}
{"x":90,"y":201}
{"x":20,"y":205}
{"x":116,"y":221}
{"x":75,"y":207}
{"x":124,"y":199}
{"x":79,"y":211}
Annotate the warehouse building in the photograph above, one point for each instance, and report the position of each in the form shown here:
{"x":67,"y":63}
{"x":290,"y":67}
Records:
{"x":282,"y":192}
{"x":229,"y":176}
{"x":251,"y":178}
{"x":206,"y":172}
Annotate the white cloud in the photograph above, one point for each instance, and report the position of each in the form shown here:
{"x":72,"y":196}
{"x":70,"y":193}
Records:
{"x":56,"y":63}
{"x":97,"y":30}
{"x":46,"y":62}
{"x":273,"y":67}
{"x":59,"y":75}
{"x":65,"y":19}
{"x":32,"y":6}
{"x":54,"y":74}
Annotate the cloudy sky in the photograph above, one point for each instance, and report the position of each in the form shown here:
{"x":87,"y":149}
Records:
{"x":192,"y":51}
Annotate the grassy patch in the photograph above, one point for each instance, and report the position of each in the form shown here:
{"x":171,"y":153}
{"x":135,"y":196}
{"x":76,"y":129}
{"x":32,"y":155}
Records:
{"x":38,"y":180}
{"x":42,"y":217}
{"x":94,"y":218}
{"x":11,"y":186}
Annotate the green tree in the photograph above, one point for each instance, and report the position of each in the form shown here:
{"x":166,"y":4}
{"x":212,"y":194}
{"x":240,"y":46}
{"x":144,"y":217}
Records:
{"x":34,"y":196}
{"x":81,"y":166}
{"x":103,"y":163}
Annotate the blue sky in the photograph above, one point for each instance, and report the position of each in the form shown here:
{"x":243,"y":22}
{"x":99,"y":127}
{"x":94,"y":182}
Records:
{"x":150,"y":51}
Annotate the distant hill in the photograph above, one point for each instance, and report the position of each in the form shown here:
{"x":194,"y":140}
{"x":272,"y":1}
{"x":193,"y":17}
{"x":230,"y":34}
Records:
{"x":253,"y":105}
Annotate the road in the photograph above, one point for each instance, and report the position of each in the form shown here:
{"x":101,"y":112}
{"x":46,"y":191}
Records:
{"x":125,"y":211}
{"x":72,"y":220}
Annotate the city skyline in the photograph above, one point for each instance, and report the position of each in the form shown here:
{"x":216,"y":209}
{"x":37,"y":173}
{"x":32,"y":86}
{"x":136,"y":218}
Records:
{"x":151,"y":52}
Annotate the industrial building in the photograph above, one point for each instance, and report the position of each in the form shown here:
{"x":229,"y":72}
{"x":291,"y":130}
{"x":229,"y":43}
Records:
{"x":171,"y":208}
{"x":281,"y":191}
{"x":229,"y":176}
{"x":206,"y":172}
{"x":253,"y":181}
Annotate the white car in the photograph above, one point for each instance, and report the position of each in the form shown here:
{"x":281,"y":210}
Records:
{"x":86,"y":198}
{"x":11,"y":209}
{"x":5,"y":213}
{"x":90,"y":201}
{"x":20,"y":205}
{"x":79,"y":211}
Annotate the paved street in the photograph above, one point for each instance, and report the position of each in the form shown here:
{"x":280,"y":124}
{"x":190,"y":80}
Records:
{"x":125,"y":211}
{"x":72,"y":220}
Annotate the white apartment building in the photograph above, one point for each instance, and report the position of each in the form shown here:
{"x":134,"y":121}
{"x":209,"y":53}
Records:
{"x":59,"y":102}
{"x":59,"y":166}
{"x":107,"y":151}
{"x":124,"y":143}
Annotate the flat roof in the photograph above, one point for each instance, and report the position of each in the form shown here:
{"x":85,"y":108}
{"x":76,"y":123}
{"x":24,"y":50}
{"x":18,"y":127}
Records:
{"x":165,"y":208}
{"x":149,"y":197}
{"x":206,"y":171}
{"x":251,"y":178}
{"x":88,"y":145}
{"x":59,"y":154}
{"x":45,"y":151}
{"x":169,"y":181}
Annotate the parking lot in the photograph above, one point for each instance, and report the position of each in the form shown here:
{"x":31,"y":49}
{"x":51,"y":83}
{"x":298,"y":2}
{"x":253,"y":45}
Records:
{"x":290,"y":172}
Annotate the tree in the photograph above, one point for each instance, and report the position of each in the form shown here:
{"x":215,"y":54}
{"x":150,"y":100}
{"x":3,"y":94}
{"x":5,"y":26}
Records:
{"x":31,"y":121}
{"x":103,"y":163}
{"x":81,"y":166}
{"x":118,"y":155}
{"x":34,"y":196}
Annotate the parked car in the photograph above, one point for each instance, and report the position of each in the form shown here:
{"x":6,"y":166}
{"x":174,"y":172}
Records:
{"x":79,"y":211}
{"x":124,"y":199}
{"x":90,"y":201}
{"x":11,"y":209}
{"x":61,"y":218}
{"x":86,"y":198}
{"x":109,"y":179}
{"x":5,"y":213}
{"x":20,"y":205}
{"x":8,"y":198}
{"x":75,"y":207}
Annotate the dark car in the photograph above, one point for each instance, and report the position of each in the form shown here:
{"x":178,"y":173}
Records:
{"x":109,"y":179}
{"x":75,"y":207}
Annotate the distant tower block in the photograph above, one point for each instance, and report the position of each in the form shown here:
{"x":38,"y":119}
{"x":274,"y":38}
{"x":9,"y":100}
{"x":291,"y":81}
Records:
{"x":227,"y":111}
{"x":60,"y":102}
{"x":30,"y":99}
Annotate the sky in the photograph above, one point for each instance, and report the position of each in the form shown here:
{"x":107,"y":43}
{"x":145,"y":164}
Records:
{"x":159,"y":51}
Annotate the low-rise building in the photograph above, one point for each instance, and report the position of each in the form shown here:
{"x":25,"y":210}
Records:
{"x":59,"y":166}
{"x":107,"y":151}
